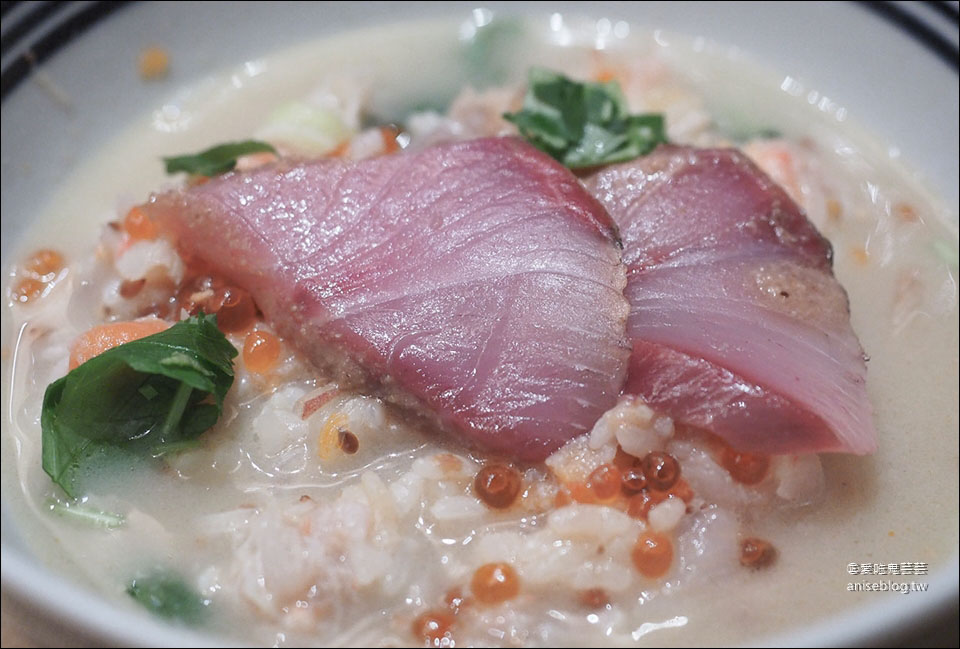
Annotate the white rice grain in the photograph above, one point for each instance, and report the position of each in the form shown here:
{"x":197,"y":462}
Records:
{"x":594,"y":522}
{"x":146,"y":257}
{"x":457,"y":508}
{"x":800,"y":478}
{"x":664,"y":516}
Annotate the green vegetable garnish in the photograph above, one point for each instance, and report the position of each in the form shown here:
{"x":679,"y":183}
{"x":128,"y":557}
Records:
{"x":584,"y":124}
{"x":489,"y":54}
{"x":166,"y":595}
{"x":86,"y":515}
{"x":216,"y":160}
{"x":142,"y":398}
{"x":767,"y":133}
{"x":742,"y":128}
{"x":947,"y":251}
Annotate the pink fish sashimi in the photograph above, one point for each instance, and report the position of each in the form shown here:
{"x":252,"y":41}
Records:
{"x":737,"y":323}
{"x":476,"y":282}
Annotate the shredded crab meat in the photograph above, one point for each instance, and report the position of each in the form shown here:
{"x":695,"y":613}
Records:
{"x":637,"y":428}
{"x":576,"y":460}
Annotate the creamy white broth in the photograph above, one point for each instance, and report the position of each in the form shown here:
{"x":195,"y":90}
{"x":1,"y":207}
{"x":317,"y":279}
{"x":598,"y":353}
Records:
{"x":898,"y":505}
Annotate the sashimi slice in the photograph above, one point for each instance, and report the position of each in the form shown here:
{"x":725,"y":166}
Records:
{"x":737,"y":323}
{"x":476,"y":282}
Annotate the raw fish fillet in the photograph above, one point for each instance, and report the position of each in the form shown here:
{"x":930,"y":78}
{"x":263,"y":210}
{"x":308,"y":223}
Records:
{"x":475,"y":282}
{"x":737,"y":323}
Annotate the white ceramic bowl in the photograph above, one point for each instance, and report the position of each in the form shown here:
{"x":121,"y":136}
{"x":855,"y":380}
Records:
{"x":892,"y":66}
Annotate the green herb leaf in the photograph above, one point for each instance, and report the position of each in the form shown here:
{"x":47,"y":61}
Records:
{"x":166,"y":595}
{"x":738,"y":130}
{"x":216,"y":160}
{"x":584,"y":124}
{"x":489,"y":54}
{"x":147,"y":394}
{"x":86,"y":515}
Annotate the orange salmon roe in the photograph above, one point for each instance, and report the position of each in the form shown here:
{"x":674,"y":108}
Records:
{"x":594,"y":598}
{"x":455,"y":600}
{"x":682,"y":490}
{"x":493,"y":583}
{"x":498,"y":485}
{"x":27,"y":290}
{"x":138,"y":225}
{"x":234,"y":306}
{"x":580,"y":492}
{"x":44,"y":264}
{"x":623,"y":460}
{"x":652,"y":555}
{"x":130,"y":288}
{"x":261,"y":350}
{"x":661,"y":470}
{"x":103,"y":337}
{"x":389,"y":136}
{"x":745,"y":468}
{"x":640,"y":504}
{"x":237,"y":310}
{"x":756,"y":553}
{"x":604,"y":482}
{"x":433,"y":627}
{"x":633,"y":481}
